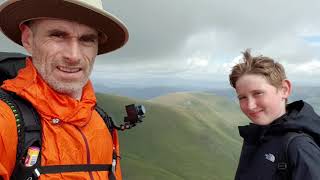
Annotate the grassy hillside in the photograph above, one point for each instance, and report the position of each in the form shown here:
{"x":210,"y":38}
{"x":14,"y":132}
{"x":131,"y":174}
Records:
{"x":184,"y":136}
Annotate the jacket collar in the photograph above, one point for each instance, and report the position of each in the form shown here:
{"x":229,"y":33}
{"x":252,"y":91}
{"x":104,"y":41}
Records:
{"x":254,"y":133}
{"x":300,"y":117}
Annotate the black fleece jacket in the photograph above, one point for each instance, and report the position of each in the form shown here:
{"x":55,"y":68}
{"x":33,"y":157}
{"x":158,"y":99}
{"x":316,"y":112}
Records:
{"x":258,"y":160}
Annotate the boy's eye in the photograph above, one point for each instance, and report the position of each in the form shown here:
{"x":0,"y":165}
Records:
{"x":241,"y":97}
{"x":258,"y":93}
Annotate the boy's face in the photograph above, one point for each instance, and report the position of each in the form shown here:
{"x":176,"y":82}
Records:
{"x":260,"y":101}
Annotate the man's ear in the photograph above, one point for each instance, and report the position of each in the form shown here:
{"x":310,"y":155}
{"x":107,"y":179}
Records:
{"x":286,"y":88}
{"x":26,"y":37}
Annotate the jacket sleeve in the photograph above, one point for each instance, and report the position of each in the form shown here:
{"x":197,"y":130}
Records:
{"x":8,"y":141}
{"x":304,"y":158}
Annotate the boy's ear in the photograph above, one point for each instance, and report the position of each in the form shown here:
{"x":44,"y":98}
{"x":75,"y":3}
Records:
{"x":26,"y":37}
{"x":286,"y":88}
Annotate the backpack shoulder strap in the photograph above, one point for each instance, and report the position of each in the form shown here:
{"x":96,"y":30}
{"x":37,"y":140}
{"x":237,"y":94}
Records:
{"x":107,"y":119}
{"x":283,"y":165}
{"x":28,"y":129}
{"x":109,"y":123}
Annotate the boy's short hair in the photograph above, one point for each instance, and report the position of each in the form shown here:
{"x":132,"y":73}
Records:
{"x":258,"y":65}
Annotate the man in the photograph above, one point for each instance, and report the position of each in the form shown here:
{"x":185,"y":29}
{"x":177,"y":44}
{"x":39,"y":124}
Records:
{"x":63,"y":39}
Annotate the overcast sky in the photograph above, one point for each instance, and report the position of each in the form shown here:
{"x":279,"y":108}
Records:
{"x":195,"y":42}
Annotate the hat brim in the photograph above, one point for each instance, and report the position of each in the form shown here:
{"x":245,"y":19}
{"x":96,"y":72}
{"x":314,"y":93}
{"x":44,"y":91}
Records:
{"x":12,"y":13}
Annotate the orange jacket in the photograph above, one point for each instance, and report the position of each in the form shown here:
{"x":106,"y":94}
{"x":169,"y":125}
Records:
{"x":81,"y":136}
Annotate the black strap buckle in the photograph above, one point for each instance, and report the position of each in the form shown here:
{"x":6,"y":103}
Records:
{"x":36,"y":172}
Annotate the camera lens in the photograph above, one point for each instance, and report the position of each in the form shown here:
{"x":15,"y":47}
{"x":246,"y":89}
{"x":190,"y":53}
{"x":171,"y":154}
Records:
{"x":141,"y":110}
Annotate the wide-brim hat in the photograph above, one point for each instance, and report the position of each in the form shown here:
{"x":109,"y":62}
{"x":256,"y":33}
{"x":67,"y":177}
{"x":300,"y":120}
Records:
{"x":88,"y":12}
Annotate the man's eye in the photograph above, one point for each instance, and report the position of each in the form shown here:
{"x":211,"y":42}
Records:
{"x":89,"y":39}
{"x":241,"y":97}
{"x":57,"y":35}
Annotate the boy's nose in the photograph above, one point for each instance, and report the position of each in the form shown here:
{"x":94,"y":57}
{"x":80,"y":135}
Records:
{"x":251,"y":104}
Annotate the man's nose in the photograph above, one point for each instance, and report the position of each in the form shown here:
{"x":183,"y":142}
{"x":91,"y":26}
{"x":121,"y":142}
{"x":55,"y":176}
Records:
{"x":73,"y":49}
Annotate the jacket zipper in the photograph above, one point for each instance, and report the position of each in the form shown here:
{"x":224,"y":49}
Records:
{"x":88,"y":152}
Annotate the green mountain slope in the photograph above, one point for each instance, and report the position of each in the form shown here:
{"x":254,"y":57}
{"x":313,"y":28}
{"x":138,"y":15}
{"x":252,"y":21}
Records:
{"x":184,"y":136}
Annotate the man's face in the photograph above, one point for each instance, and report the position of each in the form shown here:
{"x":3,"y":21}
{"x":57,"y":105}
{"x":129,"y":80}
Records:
{"x":260,"y":101}
{"x":63,"y":53}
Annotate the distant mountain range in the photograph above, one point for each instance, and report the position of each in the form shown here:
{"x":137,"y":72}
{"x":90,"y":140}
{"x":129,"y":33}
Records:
{"x":184,"y":136}
{"x":311,"y":94}
{"x":144,"y":93}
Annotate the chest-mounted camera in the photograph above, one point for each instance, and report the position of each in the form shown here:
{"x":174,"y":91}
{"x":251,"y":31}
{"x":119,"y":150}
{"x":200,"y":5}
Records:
{"x":135,"y":114}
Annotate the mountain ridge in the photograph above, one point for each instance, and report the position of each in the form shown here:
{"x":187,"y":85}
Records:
{"x":177,"y":140}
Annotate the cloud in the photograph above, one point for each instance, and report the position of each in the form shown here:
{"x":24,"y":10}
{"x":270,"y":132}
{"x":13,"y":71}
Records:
{"x":310,"y":68}
{"x":200,"y":39}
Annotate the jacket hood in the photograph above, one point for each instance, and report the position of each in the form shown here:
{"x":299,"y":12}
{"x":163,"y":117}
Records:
{"x":300,"y":117}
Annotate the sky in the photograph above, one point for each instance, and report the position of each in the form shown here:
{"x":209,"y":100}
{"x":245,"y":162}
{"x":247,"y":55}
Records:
{"x":196,"y":42}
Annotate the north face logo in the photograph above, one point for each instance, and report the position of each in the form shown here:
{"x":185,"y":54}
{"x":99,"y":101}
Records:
{"x":270,"y":157}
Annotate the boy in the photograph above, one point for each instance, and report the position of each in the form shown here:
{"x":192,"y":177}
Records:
{"x":263,"y":90}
